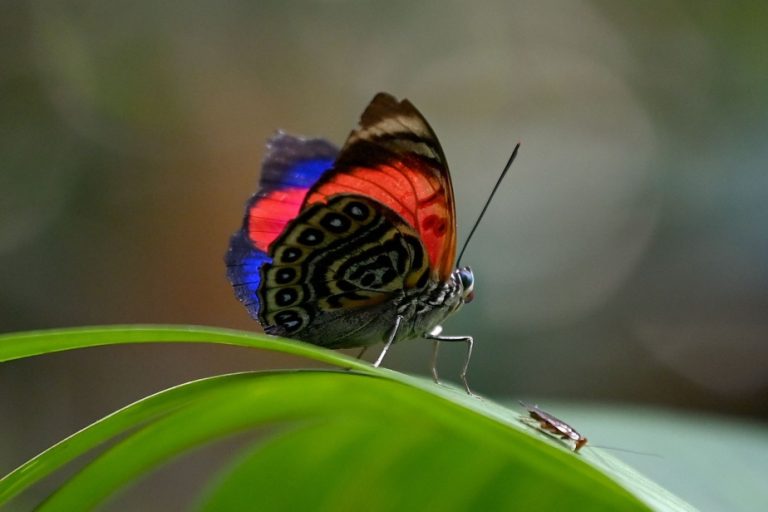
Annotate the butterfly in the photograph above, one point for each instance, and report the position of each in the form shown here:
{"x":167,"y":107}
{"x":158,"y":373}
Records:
{"x":354,"y":247}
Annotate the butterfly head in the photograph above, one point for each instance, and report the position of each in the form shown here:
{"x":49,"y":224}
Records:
{"x":467,"y":280}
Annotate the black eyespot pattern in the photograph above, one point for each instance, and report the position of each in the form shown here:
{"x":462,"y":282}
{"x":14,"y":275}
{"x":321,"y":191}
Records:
{"x":286,"y":296}
{"x":311,"y":237}
{"x":290,"y":320}
{"x":357,"y":210}
{"x":285,"y":275}
{"x":335,"y":223}
{"x":291,"y":255}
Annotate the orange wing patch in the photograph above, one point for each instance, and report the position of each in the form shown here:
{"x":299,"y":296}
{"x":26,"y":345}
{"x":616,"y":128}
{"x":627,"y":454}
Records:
{"x":395,"y":158}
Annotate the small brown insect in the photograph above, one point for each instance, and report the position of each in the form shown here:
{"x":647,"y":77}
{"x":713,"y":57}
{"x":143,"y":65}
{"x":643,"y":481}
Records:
{"x":557,"y":427}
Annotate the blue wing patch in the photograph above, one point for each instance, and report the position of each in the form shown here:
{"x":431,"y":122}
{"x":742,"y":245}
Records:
{"x":295,"y":162}
{"x":244,"y":264}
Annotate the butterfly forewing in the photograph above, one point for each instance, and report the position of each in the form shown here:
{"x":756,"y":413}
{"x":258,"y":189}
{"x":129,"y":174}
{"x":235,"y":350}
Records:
{"x":395,"y":158}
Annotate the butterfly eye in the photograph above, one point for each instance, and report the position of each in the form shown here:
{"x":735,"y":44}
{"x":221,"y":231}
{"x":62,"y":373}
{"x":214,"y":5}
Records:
{"x":468,"y":283}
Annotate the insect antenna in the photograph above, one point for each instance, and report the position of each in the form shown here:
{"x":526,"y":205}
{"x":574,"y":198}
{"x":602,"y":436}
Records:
{"x":488,"y":202}
{"x":635,"y":452}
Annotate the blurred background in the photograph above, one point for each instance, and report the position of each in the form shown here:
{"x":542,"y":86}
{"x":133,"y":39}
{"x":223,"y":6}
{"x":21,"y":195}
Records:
{"x":622,"y":261}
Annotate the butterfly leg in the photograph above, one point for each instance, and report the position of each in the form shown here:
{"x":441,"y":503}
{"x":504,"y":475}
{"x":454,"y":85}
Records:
{"x":435,"y":348}
{"x":436,"y":338}
{"x":392,"y":335}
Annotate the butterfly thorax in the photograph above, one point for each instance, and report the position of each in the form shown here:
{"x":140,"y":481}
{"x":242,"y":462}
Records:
{"x":424,"y":310}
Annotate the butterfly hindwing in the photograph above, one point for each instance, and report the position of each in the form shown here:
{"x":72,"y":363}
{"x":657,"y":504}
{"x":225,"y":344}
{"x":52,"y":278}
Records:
{"x":350,"y":253}
{"x":395,"y":159}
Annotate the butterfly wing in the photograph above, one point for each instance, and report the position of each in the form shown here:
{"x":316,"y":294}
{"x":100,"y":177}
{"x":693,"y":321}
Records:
{"x":292,"y":165}
{"x":329,"y":233}
{"x":351,"y":253}
{"x":395,"y":159}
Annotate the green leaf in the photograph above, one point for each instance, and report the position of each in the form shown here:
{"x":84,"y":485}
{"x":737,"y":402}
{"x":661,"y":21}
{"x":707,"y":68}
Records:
{"x":105,"y":429}
{"x":414,"y":425}
{"x":33,"y":343}
{"x":346,"y":438}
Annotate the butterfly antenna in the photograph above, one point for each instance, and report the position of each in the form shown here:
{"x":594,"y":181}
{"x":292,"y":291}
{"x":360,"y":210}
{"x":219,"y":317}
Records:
{"x":488,"y":202}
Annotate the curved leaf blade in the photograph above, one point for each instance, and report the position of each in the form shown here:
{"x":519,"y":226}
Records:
{"x":338,"y":397}
{"x":14,"y":346}
{"x":101,"y":431}
{"x":33,"y":343}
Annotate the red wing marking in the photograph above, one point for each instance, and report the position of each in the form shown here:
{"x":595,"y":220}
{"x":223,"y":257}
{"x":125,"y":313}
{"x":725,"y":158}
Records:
{"x":268,"y":215}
